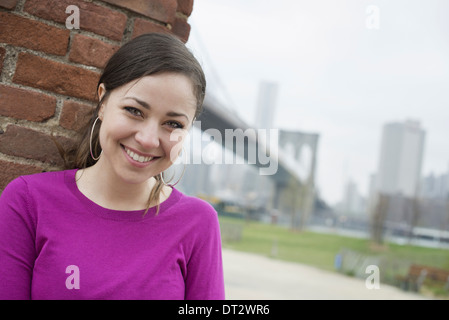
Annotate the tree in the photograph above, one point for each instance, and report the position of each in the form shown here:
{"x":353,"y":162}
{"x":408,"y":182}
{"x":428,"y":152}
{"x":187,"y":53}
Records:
{"x":378,"y":218}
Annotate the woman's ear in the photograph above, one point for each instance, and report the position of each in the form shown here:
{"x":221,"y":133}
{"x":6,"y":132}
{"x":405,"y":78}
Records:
{"x":101,"y":92}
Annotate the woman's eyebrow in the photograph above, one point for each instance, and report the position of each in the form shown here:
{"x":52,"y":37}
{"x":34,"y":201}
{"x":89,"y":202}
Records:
{"x":142,"y":103}
{"x":147,"y":106}
{"x":176,"y":114}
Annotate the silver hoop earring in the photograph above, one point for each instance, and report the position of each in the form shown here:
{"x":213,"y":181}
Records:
{"x":90,"y":141}
{"x":182,"y":174}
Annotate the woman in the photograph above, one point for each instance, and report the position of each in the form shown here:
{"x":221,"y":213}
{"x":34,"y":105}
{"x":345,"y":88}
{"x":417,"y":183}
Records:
{"x":111,"y":227}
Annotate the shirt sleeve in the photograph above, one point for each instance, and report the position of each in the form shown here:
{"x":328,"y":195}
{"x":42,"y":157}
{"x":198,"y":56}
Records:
{"x":204,"y":279}
{"x":17,"y":238}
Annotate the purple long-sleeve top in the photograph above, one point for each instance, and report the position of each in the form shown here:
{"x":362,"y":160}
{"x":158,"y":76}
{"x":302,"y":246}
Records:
{"x":55,"y":243}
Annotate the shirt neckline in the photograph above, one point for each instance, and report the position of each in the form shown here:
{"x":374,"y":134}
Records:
{"x":111,"y":214}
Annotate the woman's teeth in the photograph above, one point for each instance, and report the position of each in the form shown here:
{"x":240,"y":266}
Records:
{"x":138,"y":158}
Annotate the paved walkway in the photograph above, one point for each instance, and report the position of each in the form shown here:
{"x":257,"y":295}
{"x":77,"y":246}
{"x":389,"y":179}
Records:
{"x":254,"y":277}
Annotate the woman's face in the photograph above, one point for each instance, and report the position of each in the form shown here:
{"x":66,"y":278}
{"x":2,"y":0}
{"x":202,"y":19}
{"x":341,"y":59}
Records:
{"x":143,"y":125}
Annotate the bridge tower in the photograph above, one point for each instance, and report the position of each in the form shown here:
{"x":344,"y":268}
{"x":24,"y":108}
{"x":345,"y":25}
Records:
{"x":292,"y":196}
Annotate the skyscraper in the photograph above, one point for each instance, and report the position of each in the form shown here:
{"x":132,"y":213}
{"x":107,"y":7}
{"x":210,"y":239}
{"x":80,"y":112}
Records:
{"x":266,"y":105}
{"x":401,"y":155}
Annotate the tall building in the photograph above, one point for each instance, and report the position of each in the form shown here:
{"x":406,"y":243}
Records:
{"x":353,"y":202}
{"x":266,"y":105}
{"x":401,"y":156}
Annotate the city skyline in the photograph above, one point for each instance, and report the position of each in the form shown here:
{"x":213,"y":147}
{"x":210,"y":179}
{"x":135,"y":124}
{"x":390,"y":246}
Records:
{"x":338,"y":76}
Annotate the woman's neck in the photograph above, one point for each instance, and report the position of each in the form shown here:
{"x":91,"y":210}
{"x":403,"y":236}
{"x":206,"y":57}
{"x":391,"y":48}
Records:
{"x":108,"y":191}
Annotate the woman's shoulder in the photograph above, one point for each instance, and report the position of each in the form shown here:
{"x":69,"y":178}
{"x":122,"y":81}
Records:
{"x":198,"y":216}
{"x":195,"y":203}
{"x":41,"y":180}
{"x":192,"y":205}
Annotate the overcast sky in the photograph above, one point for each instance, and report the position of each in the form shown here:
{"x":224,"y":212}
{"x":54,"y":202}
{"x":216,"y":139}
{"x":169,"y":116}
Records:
{"x":344,"y":68}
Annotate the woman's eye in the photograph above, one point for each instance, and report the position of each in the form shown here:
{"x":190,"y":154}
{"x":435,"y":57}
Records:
{"x":134,"y":111}
{"x":175,"y":124}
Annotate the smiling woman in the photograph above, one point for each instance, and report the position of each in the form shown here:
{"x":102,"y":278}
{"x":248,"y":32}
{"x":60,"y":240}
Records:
{"x":126,"y":76}
{"x":109,"y":227}
{"x":138,"y":121}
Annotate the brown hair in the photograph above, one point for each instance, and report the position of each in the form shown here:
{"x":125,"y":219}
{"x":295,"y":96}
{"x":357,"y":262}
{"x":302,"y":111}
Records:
{"x":144,"y":55}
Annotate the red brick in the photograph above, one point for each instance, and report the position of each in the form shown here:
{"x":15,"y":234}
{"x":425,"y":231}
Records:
{"x":8,"y":4}
{"x":181,"y":28}
{"x":24,"y":32}
{"x":2,"y":57}
{"x":24,"y":104}
{"x":90,"y":51}
{"x":144,"y":26}
{"x":160,"y":10}
{"x":57,"y":77}
{"x":74,"y":115}
{"x":185,"y":7}
{"x":26,"y":143}
{"x":94,"y":18}
{"x":12,"y":170}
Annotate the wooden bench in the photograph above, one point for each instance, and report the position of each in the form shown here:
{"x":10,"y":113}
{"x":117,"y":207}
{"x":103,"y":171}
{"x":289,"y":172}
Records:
{"x":417,"y":274}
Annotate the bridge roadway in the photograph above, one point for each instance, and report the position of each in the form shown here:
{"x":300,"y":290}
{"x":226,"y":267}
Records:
{"x":216,"y":116}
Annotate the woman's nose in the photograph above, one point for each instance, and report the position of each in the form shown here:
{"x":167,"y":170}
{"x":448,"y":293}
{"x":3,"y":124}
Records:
{"x":148,"y":135}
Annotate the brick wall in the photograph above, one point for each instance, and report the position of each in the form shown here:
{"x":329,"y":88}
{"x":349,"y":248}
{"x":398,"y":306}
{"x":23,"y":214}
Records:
{"x":49,"y":69}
